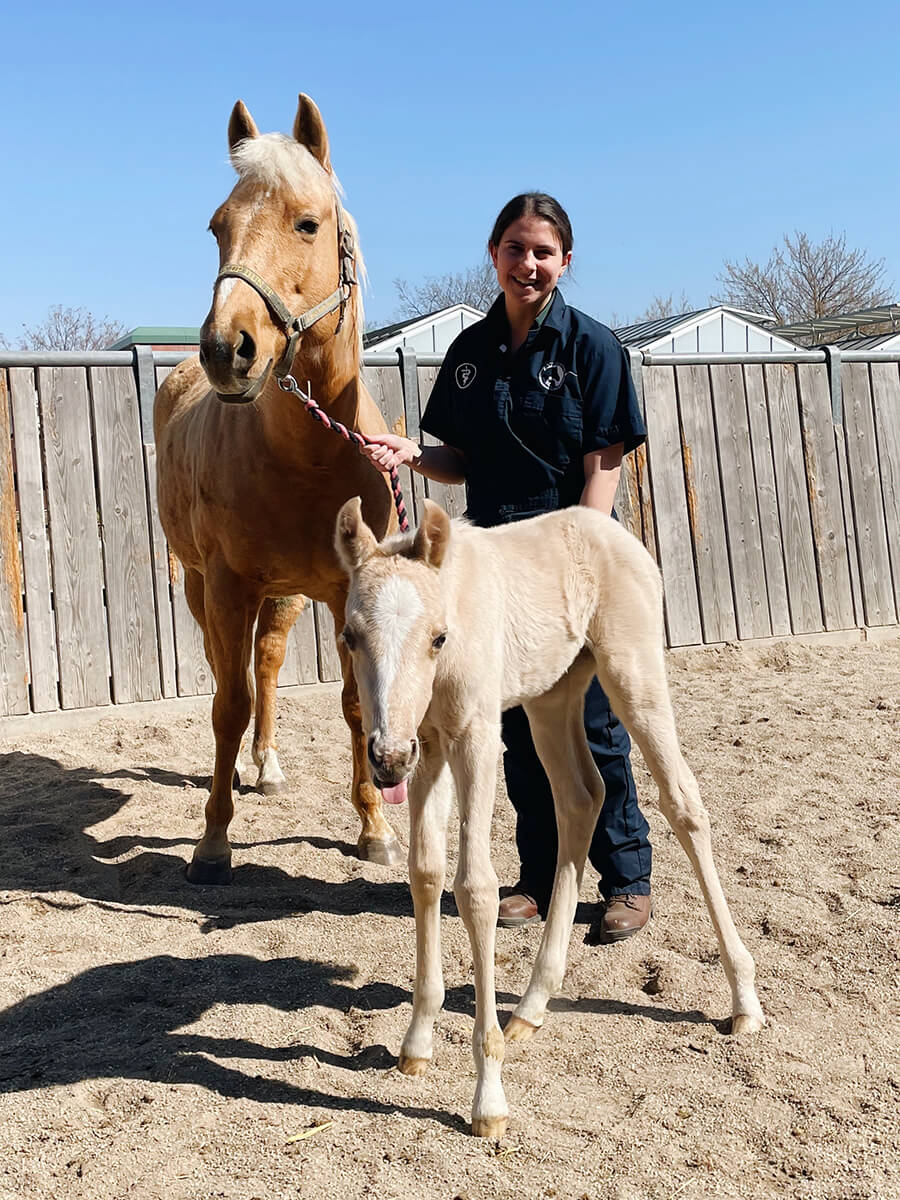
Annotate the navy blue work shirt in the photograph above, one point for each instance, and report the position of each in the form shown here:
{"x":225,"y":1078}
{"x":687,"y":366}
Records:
{"x":525,"y":421}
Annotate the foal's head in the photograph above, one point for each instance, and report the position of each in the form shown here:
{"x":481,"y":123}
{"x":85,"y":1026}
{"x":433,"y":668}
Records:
{"x":396,"y":628}
{"x":282,"y":225}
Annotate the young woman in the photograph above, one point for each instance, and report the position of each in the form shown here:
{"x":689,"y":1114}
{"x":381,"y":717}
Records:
{"x":535,"y":407}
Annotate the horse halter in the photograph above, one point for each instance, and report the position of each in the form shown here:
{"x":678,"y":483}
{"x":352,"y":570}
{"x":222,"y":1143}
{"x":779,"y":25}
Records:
{"x":294,"y":326}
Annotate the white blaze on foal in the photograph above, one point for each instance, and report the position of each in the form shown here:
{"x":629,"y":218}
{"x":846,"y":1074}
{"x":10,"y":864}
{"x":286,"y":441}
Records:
{"x":528,"y":612}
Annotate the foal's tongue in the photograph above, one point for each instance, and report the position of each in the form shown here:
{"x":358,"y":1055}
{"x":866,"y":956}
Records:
{"x":396,"y":794}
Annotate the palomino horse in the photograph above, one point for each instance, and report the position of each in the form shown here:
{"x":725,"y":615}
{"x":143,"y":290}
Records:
{"x":249,"y":486}
{"x":448,"y":627}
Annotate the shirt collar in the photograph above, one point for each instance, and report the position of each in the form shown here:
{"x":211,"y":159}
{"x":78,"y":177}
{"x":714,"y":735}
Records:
{"x":550,"y":318}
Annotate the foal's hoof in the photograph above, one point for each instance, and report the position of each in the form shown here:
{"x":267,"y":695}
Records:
{"x":746,"y":1023}
{"x":412,"y":1066}
{"x":518,"y":1030}
{"x":377,"y":850}
{"x":489,"y":1127}
{"x":217,"y":871}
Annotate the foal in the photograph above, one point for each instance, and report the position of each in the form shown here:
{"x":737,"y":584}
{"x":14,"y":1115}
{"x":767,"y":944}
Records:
{"x":449,"y":626}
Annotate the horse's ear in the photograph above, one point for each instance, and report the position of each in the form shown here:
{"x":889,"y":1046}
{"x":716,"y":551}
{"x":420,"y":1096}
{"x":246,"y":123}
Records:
{"x":309,"y":130}
{"x":433,"y":535}
{"x":240,"y":125}
{"x":354,"y":541}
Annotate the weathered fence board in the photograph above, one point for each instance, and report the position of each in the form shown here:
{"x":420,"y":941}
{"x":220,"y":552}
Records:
{"x":122,"y":488}
{"x":13,"y":649}
{"x":824,"y":489}
{"x":704,"y":497}
{"x":673,"y":534}
{"x":865,"y":489}
{"x":75,"y":549}
{"x":748,"y":571}
{"x":300,"y":661}
{"x":886,"y":402}
{"x":767,"y":499}
{"x":35,"y":543}
{"x":793,"y":500}
{"x":329,"y":659}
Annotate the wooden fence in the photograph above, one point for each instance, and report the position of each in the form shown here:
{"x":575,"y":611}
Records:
{"x":769,"y":494}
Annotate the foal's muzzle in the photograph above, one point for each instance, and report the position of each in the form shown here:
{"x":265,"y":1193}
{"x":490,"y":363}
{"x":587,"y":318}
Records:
{"x":391,"y":762}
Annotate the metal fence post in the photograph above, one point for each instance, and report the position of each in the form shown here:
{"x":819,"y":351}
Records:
{"x":145,"y":377}
{"x":409,"y":380}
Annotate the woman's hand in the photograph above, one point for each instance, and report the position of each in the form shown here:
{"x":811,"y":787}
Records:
{"x":388,"y":451}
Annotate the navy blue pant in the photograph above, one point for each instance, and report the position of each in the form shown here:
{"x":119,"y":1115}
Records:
{"x":620,"y":849}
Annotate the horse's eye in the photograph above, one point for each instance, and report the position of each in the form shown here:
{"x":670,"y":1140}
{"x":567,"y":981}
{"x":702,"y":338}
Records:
{"x":349,"y":638}
{"x":439,"y":641}
{"x":307,"y":226}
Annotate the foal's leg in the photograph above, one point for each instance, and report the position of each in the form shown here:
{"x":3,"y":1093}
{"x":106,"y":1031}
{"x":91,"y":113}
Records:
{"x":229,"y":612}
{"x":473,"y":760}
{"x":633,"y":678}
{"x":377,"y":841}
{"x":430,"y":794}
{"x":557,"y":727}
{"x":275,"y":621}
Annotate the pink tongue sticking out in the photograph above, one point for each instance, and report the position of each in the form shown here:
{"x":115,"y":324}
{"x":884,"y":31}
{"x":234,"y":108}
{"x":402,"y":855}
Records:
{"x":394,"y":795}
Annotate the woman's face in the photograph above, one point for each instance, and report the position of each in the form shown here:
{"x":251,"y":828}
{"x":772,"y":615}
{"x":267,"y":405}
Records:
{"x":529,"y":261}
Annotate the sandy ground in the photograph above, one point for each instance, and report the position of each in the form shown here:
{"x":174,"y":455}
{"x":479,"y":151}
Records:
{"x":160,"y":1040}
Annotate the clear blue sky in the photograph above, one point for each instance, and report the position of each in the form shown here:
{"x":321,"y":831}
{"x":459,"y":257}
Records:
{"x":676,"y":135}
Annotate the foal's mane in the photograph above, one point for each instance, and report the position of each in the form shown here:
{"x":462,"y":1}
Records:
{"x":274,"y":160}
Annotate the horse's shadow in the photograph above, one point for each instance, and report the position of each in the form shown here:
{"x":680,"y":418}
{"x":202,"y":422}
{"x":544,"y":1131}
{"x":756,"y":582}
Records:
{"x":48,"y":810}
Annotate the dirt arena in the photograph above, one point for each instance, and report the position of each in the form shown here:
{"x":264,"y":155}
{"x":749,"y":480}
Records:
{"x":159,"y":1040}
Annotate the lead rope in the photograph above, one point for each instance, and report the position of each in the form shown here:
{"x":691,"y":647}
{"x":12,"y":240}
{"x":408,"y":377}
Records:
{"x":289,"y":384}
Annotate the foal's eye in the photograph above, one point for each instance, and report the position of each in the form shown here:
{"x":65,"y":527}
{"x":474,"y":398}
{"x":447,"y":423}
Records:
{"x":438,"y":641}
{"x":307,"y":225}
{"x":349,"y":638}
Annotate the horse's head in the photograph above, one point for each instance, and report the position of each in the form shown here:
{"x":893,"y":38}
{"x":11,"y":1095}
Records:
{"x":396,"y":628}
{"x":286,"y":255}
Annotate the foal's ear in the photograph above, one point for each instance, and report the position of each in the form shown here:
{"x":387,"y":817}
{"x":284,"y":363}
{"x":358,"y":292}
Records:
{"x":432,"y":536}
{"x":240,"y":125}
{"x":354,"y":541}
{"x":309,"y":130}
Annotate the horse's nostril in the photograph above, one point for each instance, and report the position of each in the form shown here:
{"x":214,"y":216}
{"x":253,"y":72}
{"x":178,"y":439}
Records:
{"x":246,"y":347}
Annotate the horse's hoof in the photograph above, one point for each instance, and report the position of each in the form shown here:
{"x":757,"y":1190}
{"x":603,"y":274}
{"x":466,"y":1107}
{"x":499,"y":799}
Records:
{"x":412,"y":1066}
{"x":746,"y":1023}
{"x":518,"y":1030}
{"x":271,"y":787}
{"x":489,"y":1127}
{"x":384,"y":853}
{"x":216,"y":871}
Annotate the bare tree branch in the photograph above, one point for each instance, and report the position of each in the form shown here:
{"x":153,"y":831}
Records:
{"x":67,"y":328}
{"x":806,"y":279}
{"x":477,"y":286}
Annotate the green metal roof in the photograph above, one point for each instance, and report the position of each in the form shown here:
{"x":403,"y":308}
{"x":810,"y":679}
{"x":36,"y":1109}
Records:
{"x":149,"y":335}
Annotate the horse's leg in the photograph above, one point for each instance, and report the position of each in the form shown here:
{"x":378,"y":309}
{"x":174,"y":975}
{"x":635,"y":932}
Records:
{"x":557,"y":727}
{"x":377,"y":842}
{"x":473,"y":760}
{"x":430,"y":795}
{"x":275,"y":621}
{"x":229,"y":612}
{"x":633,"y":677}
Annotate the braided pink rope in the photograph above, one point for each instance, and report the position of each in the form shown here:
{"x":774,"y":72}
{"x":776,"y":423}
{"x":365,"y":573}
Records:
{"x":289,"y":384}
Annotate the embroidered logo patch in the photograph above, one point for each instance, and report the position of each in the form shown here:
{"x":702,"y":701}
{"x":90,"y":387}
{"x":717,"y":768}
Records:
{"x":465,"y":373}
{"x":551,"y":376}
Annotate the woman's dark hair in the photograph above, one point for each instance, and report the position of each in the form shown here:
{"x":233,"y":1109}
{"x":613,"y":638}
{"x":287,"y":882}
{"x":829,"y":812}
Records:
{"x":534,"y":204}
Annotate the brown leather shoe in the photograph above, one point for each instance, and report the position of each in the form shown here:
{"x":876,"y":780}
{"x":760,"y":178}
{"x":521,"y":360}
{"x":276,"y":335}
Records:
{"x":623,"y":917}
{"x":516,"y":908}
